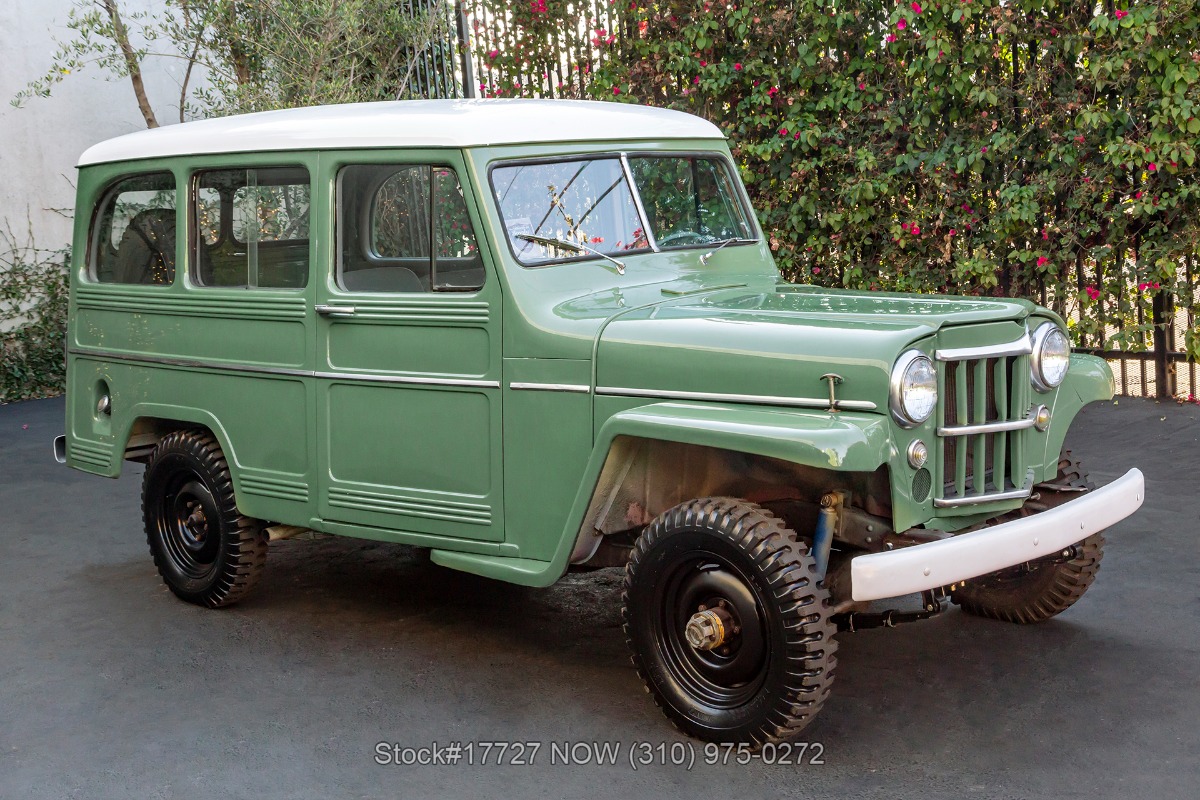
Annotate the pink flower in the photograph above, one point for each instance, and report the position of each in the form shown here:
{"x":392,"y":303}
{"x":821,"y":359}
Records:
{"x":1044,"y":234}
{"x":903,"y":226}
{"x":1142,"y":287}
{"x":737,"y":67}
{"x":696,"y":79}
{"x":597,"y":239}
{"x":1153,"y":166}
{"x":915,"y":230}
{"x":953,"y":232}
{"x":1122,"y":14}
{"x":891,"y":37}
{"x":916,"y":7}
{"x":774,"y":90}
{"x":1137,"y":195}
{"x":901,"y":23}
{"x":796,"y":135}
{"x":704,"y":63}
{"x":983,"y":149}
{"x":1092,"y":292}
{"x":783,"y":131}
{"x":616,"y":89}
{"x":862,"y":86}
{"x":816,"y":270}
{"x":492,"y":54}
{"x":1042,"y":261}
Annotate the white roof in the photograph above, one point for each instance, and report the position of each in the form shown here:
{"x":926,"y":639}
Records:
{"x":407,"y":123}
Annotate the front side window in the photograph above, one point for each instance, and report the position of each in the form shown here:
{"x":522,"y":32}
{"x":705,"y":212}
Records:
{"x":252,"y":227}
{"x":575,"y":208}
{"x":405,"y":228}
{"x":133,"y":239}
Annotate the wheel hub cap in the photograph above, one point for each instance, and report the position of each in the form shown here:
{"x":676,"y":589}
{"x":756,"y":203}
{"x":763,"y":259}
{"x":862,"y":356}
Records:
{"x":707,"y":629}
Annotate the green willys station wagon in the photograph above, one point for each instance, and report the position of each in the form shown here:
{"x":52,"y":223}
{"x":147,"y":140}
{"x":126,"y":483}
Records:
{"x":537,"y":335}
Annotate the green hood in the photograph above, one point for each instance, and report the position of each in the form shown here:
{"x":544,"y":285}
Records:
{"x":742,"y":341}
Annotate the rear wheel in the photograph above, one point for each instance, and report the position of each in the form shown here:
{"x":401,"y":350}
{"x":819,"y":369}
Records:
{"x":1039,"y":590}
{"x":205,"y":550}
{"x":728,"y":625}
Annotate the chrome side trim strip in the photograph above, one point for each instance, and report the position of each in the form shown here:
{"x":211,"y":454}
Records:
{"x":757,"y":399}
{"x":976,"y":499}
{"x":283,"y":371}
{"x":578,"y":388}
{"x":988,"y":427}
{"x":1021,"y":347}
{"x":405,"y":379}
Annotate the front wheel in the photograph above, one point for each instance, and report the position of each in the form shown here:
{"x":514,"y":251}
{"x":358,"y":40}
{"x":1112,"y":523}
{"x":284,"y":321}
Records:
{"x":1038,"y":590}
{"x":205,"y":550}
{"x":728,"y":624}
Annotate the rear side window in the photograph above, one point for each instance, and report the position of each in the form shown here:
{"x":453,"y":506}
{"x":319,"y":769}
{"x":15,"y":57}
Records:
{"x":133,"y":240}
{"x":405,"y":228}
{"x":251,"y":228}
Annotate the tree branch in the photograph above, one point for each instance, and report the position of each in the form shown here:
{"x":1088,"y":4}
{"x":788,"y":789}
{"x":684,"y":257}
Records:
{"x":134,"y":67}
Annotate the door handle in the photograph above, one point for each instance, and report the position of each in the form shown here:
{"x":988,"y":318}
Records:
{"x":334,"y":311}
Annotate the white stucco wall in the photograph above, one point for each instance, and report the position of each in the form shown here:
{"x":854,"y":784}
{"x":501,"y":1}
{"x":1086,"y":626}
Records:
{"x":40,"y":142}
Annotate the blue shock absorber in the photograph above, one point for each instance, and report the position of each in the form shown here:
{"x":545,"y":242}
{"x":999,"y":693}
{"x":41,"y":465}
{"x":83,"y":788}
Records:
{"x":826,"y":525}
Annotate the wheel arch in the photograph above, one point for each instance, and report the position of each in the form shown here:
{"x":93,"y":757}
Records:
{"x":148,"y":423}
{"x":754,"y":453}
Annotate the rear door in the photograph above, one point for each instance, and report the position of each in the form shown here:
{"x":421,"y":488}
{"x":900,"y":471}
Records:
{"x":408,"y":343}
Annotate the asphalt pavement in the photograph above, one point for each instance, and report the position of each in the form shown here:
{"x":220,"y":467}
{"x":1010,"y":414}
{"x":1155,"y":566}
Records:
{"x":351,"y":653}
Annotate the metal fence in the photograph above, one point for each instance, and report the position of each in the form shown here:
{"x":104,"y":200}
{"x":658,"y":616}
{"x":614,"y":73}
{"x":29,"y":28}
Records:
{"x":459,"y":62}
{"x":1141,"y":333}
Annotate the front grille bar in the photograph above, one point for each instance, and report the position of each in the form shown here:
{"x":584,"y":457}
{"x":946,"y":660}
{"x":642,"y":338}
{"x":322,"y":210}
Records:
{"x":987,"y":427}
{"x":1012,"y":494}
{"x":1020,"y":347}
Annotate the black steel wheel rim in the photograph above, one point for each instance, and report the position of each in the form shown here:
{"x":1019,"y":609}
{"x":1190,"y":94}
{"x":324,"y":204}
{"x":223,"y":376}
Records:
{"x":188,"y":522}
{"x":722,"y":678}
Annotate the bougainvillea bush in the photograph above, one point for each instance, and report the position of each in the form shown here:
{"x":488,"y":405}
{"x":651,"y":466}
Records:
{"x":1043,"y":148}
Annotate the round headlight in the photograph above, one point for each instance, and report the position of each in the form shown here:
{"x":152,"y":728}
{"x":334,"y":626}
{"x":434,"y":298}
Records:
{"x":914,"y":388}
{"x":1051,"y":356}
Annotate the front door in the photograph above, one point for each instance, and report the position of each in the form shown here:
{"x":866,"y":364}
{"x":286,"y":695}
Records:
{"x":409,"y":353}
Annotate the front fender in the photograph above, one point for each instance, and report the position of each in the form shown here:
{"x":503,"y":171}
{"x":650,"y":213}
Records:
{"x":842,"y":441}
{"x":1089,"y":380}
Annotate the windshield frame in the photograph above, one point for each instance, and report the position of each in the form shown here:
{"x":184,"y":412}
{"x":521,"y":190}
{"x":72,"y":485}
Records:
{"x":623,"y":157}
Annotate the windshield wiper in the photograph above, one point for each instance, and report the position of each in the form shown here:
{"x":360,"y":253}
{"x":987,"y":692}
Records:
{"x":574,"y":247}
{"x":736,"y":240}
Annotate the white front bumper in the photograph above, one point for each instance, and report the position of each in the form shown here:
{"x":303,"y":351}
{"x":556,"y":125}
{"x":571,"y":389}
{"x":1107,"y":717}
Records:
{"x":969,"y":555}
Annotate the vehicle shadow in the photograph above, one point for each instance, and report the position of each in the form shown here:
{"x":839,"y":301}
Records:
{"x":954,"y":672}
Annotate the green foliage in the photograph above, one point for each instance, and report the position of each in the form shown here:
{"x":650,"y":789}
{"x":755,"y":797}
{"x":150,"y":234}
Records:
{"x":1030,"y":147}
{"x":33,"y":320}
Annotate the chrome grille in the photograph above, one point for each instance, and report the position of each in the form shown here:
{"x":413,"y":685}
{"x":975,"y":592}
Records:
{"x":985,"y":400}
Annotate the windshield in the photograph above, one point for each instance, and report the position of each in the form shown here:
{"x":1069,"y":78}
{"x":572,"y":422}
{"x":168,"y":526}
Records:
{"x":685,"y":201}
